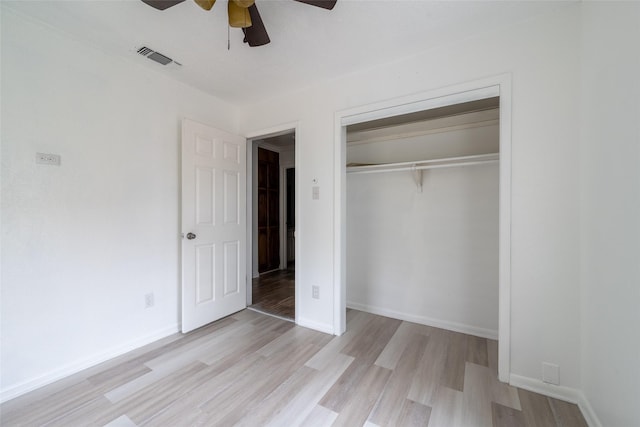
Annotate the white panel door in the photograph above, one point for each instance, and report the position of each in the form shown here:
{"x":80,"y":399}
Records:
{"x":213,"y":224}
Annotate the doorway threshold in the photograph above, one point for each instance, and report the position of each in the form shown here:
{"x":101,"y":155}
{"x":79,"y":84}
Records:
{"x":258,"y":310}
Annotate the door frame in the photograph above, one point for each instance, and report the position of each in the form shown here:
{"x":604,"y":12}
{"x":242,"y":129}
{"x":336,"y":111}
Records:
{"x":251,"y":137}
{"x":484,"y":88}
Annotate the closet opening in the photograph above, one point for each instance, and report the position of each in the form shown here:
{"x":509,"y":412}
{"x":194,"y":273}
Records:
{"x":423,"y":205}
{"x":273,"y":225}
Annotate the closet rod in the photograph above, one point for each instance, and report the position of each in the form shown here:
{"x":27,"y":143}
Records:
{"x":418,"y":168}
{"x":426,"y":164}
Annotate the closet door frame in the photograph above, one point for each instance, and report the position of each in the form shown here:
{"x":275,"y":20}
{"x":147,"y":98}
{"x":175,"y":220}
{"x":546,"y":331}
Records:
{"x":470,"y":91}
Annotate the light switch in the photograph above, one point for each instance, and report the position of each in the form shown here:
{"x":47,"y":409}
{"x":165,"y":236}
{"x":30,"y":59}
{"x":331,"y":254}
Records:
{"x":315,"y":193}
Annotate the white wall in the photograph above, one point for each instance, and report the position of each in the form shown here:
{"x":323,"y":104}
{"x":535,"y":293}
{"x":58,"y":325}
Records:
{"x":542,"y":56}
{"x":429,"y":257}
{"x":459,"y":142}
{"x":610,"y":174}
{"x":83,"y":243}
{"x":288,"y":157}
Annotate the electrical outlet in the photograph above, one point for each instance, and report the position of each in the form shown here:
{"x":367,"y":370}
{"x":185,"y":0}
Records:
{"x":550,"y":373}
{"x":149,"y":300}
{"x":48,"y":159}
{"x":315,"y":292}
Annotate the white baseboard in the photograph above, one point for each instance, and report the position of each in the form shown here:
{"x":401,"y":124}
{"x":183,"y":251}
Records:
{"x":423,"y":320}
{"x":321,"y":327}
{"x":16,"y":390}
{"x":587,"y":412}
{"x":567,"y":394}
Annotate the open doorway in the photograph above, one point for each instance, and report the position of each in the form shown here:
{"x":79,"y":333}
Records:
{"x":422,"y":217}
{"x":273,"y":225}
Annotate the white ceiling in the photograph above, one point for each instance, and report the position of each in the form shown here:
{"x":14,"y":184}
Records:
{"x":308,"y":44}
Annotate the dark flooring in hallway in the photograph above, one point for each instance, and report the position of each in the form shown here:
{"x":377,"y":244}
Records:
{"x":274,"y":293}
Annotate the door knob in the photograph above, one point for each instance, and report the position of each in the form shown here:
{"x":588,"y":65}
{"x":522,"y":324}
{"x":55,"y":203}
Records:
{"x":191,"y":236}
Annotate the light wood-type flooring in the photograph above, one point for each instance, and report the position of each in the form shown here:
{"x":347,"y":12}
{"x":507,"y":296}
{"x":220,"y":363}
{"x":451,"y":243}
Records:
{"x":250,"y":369}
{"x":275,"y":293}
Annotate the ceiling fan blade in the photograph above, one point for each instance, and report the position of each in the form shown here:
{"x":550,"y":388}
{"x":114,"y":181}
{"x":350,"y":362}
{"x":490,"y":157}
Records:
{"x":162,"y":4}
{"x":256,"y":34}
{"x":205,"y":4}
{"x":325,"y":4}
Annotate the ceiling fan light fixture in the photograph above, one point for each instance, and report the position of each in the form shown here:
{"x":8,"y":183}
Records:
{"x":205,"y":4}
{"x":244,"y":3}
{"x":239,"y":17}
{"x":162,"y":4}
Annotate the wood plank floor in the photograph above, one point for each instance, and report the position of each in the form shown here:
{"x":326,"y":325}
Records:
{"x":275,"y":293}
{"x":250,"y":369}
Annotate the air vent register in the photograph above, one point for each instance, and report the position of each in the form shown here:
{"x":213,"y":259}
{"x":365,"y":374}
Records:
{"x":156,"y":56}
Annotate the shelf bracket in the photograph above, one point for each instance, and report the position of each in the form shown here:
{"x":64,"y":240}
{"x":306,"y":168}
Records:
{"x":417,"y":178}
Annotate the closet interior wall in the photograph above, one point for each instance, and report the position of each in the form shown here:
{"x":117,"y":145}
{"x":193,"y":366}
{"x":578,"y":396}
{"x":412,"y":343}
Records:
{"x":426,"y":255}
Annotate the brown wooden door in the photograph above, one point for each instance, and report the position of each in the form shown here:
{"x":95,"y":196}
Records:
{"x":268,"y":210}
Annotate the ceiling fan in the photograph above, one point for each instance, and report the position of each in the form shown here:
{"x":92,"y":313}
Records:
{"x":242,"y":14}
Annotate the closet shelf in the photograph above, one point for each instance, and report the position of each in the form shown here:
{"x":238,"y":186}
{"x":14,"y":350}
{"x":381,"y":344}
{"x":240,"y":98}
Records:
{"x":417,"y":167}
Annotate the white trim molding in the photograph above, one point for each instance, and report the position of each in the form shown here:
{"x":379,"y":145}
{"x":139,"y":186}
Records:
{"x":282,"y":129}
{"x":587,"y":411}
{"x":568,"y":394}
{"x":429,"y":321}
{"x":316,"y":326}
